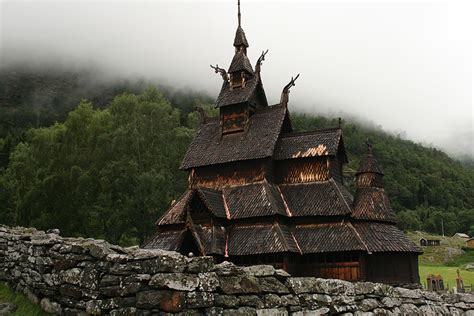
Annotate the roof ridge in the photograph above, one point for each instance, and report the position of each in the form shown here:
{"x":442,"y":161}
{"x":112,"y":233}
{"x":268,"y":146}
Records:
{"x":287,"y":209}
{"x":285,"y":242}
{"x":325,"y":130}
{"x":305,"y":183}
{"x":296,"y":242}
{"x":271,"y":197}
{"x":319,"y":224}
{"x":359,"y":237}
{"x":340,"y":193}
{"x":191,"y":192}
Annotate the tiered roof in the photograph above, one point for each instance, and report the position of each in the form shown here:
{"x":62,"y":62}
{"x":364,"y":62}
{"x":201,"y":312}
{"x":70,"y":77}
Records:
{"x":371,"y":201}
{"x":265,"y":217}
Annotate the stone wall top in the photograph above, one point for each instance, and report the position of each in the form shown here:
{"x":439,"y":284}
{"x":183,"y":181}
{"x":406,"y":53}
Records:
{"x":76,"y":276}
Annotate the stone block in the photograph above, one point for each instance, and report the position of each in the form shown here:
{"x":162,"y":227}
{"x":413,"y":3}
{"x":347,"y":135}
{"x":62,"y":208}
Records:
{"x":239,"y":284}
{"x":174,"y":281}
{"x":272,"y":285}
{"x":167,"y":301}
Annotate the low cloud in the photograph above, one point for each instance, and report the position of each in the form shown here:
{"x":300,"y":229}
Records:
{"x":405,"y":66}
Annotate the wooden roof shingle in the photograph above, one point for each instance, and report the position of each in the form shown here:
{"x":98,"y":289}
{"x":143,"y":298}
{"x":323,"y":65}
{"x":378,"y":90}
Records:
{"x":240,"y":38}
{"x":240,"y":62}
{"x":228,"y":96}
{"x":213,"y":201}
{"x":253,"y":200}
{"x":369,"y":164}
{"x":176,"y":214}
{"x":260,"y":239}
{"x":327,"y":237}
{"x":371,"y":203}
{"x":166,"y":240}
{"x":308,"y":144}
{"x":384,"y":238}
{"x":209,"y":147}
{"x":324,"y":198}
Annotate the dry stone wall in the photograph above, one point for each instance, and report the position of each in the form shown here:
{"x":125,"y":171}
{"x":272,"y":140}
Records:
{"x":76,"y":276}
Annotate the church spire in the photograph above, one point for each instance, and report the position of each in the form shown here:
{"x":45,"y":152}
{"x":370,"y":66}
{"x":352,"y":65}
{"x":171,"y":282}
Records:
{"x":240,"y":41}
{"x":369,"y":164}
{"x":370,"y":200}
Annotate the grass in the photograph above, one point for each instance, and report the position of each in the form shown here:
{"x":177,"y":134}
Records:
{"x":444,"y":259}
{"x":447,"y":253}
{"x":448,"y":273}
{"x":24,"y":306}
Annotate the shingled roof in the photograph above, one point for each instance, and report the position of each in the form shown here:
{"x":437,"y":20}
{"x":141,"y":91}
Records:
{"x":324,"y":198}
{"x":260,"y":239}
{"x":213,"y":201}
{"x":209,"y":147}
{"x":240,"y":38}
{"x":384,"y":237}
{"x":253,"y":200}
{"x":177,"y":213}
{"x":166,"y":240}
{"x":240,"y":62}
{"x":372,"y":203}
{"x":308,"y":144}
{"x":229,"y":96}
{"x":327,"y":237}
{"x":369,"y":164}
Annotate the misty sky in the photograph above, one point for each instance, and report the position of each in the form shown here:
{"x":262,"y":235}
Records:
{"x":404,"y":65}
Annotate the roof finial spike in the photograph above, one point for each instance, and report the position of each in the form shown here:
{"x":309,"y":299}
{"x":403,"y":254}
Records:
{"x":286,"y":91}
{"x":238,"y":14}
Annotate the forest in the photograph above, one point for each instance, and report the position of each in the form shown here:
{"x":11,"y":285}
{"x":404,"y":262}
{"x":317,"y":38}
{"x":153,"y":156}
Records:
{"x":100,"y":158}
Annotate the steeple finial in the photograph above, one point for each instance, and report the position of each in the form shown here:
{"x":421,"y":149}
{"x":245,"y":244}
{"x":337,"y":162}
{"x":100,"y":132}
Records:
{"x":238,"y":12}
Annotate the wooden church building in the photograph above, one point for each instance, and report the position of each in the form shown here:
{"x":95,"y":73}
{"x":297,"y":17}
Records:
{"x":260,"y":193}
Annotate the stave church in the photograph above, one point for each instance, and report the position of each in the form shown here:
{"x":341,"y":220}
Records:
{"x":261,"y":193}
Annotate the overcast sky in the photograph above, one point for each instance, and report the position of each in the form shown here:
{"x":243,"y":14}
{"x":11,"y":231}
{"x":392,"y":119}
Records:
{"x":404,"y":65}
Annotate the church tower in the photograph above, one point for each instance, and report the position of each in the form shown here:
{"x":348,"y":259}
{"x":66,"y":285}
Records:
{"x":242,"y":91}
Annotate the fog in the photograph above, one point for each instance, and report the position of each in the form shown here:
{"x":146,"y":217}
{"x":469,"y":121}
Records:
{"x":404,"y":65}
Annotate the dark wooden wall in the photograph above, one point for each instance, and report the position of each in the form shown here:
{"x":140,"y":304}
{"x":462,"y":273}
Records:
{"x":236,"y":173}
{"x":335,"y":168}
{"x":345,"y":266}
{"x":392,"y":268}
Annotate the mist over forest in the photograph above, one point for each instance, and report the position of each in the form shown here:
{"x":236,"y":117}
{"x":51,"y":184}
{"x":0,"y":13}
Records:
{"x":400,"y":65}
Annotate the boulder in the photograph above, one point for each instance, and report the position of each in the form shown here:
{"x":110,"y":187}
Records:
{"x":50,"y":307}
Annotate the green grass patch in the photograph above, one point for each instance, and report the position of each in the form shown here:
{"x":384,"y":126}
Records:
{"x":448,"y":273}
{"x":451,"y":251}
{"x":462,"y":260}
{"x":24,"y":306}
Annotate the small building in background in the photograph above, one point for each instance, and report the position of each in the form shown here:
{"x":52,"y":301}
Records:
{"x":470,"y":243}
{"x":429,"y":242}
{"x":460,"y":235}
